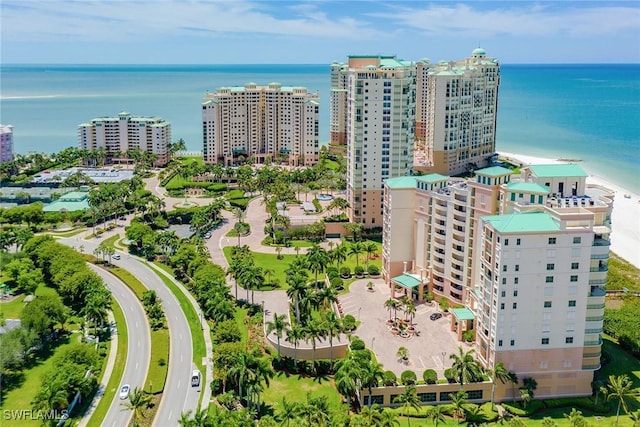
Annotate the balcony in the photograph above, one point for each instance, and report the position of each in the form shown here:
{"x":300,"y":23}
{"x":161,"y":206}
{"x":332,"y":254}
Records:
{"x":594,"y":318}
{"x":599,"y":268}
{"x":595,"y":306}
{"x":593,"y":343}
{"x":593,"y":367}
{"x":601,"y":242}
{"x":598,"y":282}
{"x":593,"y":331}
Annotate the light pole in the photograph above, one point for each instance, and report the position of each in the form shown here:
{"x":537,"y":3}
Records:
{"x":373,"y":339}
{"x":444,"y":353}
{"x":359,"y":309}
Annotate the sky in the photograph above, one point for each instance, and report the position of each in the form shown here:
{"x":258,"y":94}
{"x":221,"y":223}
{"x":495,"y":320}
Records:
{"x":315,"y":31}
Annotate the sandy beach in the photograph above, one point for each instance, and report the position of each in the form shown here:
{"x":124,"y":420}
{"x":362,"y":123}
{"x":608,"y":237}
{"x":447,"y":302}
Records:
{"x":625,"y":218}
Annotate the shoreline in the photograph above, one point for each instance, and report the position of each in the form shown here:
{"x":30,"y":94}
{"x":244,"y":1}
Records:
{"x":625,"y":217}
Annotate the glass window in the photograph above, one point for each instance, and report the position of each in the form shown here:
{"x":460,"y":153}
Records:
{"x":575,"y":265}
{"x":547,"y":304}
{"x":572,"y":303}
{"x":552,"y":240}
{"x":551,"y":266}
{"x":574,"y":278}
{"x":518,"y":242}
{"x":512,"y":343}
{"x":568,"y":340}
{"x":549,"y":279}
{"x":506,"y":242}
{"x":545,"y":341}
{"x":515,"y":305}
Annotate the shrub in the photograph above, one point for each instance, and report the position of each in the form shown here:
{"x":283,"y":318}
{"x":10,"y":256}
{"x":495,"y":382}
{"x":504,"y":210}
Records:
{"x":345,"y":271}
{"x":337,"y":283}
{"x":357,"y":344}
{"x":317,"y":205}
{"x":408,"y":378}
{"x":359,"y":270}
{"x":448,"y":374}
{"x":389,"y":378}
{"x":332,"y":272}
{"x":349,"y":323}
{"x":469,"y":335}
{"x":373,"y":270}
{"x":428,"y":297}
{"x":430,"y":376}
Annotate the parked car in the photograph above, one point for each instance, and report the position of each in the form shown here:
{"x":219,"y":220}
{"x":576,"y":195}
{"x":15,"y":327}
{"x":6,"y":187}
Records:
{"x":124,"y":391}
{"x":116,"y":256}
{"x":435,"y":316}
{"x":207,"y":235}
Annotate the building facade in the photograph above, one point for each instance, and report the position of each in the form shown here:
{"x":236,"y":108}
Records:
{"x":6,"y":143}
{"x":380,"y":107}
{"x":262,"y":123}
{"x":456,"y":111}
{"x":125,"y":133}
{"x":526,"y":256}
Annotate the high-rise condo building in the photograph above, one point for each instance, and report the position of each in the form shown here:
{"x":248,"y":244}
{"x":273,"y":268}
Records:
{"x":456,"y":112}
{"x":525,"y":257}
{"x":380,"y":108}
{"x":117,"y":135}
{"x":6,"y":143}
{"x":261,"y":123}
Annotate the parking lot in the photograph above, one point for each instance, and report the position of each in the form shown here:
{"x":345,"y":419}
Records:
{"x":428,"y":349}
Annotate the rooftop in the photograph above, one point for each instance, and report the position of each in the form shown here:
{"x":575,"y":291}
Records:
{"x":407,"y":280}
{"x":432,"y":177}
{"x":462,"y":313}
{"x":401,"y":182}
{"x":494,"y":171}
{"x":526,"y":222}
{"x":528,"y":187}
{"x":557,"y":171}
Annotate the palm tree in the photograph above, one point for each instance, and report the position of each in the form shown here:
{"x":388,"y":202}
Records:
{"x":339,"y":254}
{"x":240,"y":370}
{"x":347,"y":378}
{"x":297,"y":290}
{"x":403,"y":353}
{"x":436,"y":414}
{"x":294,"y":335}
{"x":317,"y":259}
{"x":314,"y":331}
{"x":279,"y":325}
{"x":372,"y":373}
{"x":465,"y":368}
{"x":409,"y":399}
{"x":356,"y":249}
{"x":370,"y":248}
{"x":388,"y":419}
{"x":575,"y":418}
{"x":138,"y":402}
{"x":499,"y":372}
{"x":458,"y":399}
{"x":371,"y":415}
{"x":199,"y":419}
{"x":51,"y":396}
{"x":290,"y":411}
{"x":333,"y":327}
{"x":548,"y":422}
{"x":391,"y":304}
{"x":620,"y":388}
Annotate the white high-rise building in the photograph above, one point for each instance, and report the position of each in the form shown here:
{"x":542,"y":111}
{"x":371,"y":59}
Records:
{"x":117,"y":135}
{"x":272,"y":122}
{"x":526,"y":256}
{"x":457,"y":105}
{"x":6,"y":143}
{"x":380,"y":108}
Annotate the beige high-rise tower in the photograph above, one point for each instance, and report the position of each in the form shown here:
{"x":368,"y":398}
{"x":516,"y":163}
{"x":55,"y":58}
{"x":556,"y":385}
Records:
{"x":457,"y":104}
{"x":380,"y":116}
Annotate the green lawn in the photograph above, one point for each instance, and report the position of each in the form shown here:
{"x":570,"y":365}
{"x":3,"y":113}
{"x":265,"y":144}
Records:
{"x":19,"y":399}
{"x":129,"y":279}
{"x":190,"y":159}
{"x":622,"y":274}
{"x":112,"y":240}
{"x":118,"y":369}
{"x":240,"y":315}
{"x":159,"y":363}
{"x":13,"y":309}
{"x":295,"y":389}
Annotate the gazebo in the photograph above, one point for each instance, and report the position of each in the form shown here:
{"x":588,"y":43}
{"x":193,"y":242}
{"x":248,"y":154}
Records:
{"x":462,"y":320}
{"x":409,"y":284}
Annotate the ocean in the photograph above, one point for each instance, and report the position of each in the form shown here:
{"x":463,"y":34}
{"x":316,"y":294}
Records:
{"x":586,"y":112}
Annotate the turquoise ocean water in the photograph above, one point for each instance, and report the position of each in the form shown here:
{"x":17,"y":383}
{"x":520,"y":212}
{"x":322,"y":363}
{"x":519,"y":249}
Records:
{"x":588,"y":112}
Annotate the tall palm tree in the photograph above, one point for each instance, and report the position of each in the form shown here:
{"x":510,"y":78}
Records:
{"x":240,"y":370}
{"x":436,"y":415}
{"x":51,"y":396}
{"x":465,"y":368}
{"x":317,"y":259}
{"x":458,"y":400}
{"x":347,"y":378}
{"x":295,"y":334}
{"x":315,"y":330}
{"x":339,"y":254}
{"x":279,"y":325}
{"x":297,"y":291}
{"x":289,"y":411}
{"x":409,"y":399}
{"x":391,"y":304}
{"x":199,"y":419}
{"x":370,"y":248}
{"x":498,"y":373}
{"x":356,"y":249}
{"x":372,"y":373}
{"x":138,"y":402}
{"x":620,"y":388}
{"x":333,"y":327}
{"x":371,"y":415}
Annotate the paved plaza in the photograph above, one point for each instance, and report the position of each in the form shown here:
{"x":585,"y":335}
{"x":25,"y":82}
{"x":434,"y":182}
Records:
{"x":428,"y":350}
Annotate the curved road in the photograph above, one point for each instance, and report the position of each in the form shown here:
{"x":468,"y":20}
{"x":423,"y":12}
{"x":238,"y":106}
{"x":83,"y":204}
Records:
{"x":138,"y":350}
{"x":178,"y":395}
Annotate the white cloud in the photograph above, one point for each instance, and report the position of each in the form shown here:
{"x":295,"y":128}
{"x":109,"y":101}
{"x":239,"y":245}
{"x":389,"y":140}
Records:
{"x":117,"y":20}
{"x":516,"y":20}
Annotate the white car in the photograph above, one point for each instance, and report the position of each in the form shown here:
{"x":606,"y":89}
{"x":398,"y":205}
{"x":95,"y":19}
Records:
{"x":124,"y":391}
{"x":116,"y":256}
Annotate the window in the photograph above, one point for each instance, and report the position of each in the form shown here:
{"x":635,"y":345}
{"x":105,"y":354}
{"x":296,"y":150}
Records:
{"x":551,"y":266}
{"x":512,"y":343}
{"x":517,"y":267}
{"x":474,"y":394}
{"x":515,"y":293}
{"x":424,"y":397}
{"x":501,"y":306}
{"x":504,"y":268}
{"x":515,"y":280}
{"x":568,"y":340}
{"x":577,"y":240}
{"x":515,"y":305}
{"x":572,"y":303}
{"x":518,"y":242}
{"x":574,"y":278}
{"x":545,"y":341}
{"x":504,"y":280}
{"x":499,"y":343}
{"x":552,"y":240}
{"x":548,"y":279}
{"x":503,"y":294}
{"x":575,"y":265}
{"x":547,"y":304}
{"x":506,"y":242}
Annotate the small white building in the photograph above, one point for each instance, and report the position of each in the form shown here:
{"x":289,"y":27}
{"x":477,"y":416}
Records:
{"x":6,"y":143}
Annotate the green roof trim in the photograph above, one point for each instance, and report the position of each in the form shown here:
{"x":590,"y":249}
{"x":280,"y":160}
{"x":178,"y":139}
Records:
{"x":528,"y":187}
{"x":401,"y":182}
{"x":494,"y":171}
{"x":432,"y":177}
{"x":558,"y":171}
{"x":527,"y":222}
{"x":462,"y":313}
{"x":407,"y":281}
